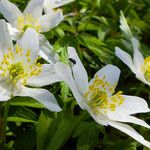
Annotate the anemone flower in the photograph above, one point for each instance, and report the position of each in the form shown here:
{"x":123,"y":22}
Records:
{"x":32,"y":17}
{"x":20,"y":72}
{"x":138,"y":65}
{"x":98,"y":97}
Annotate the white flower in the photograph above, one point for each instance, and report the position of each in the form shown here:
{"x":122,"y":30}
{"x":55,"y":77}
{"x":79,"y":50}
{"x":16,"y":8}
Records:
{"x":98,"y":98}
{"x":139,"y":66}
{"x":19,"y":68}
{"x":50,"y":5}
{"x":31,"y":17}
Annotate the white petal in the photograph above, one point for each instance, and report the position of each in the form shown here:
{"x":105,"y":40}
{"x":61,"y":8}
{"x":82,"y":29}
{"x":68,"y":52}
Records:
{"x":5,"y":39}
{"x":41,"y":95}
{"x":125,"y":57}
{"x":137,"y":121}
{"x":30,"y":41}
{"x":65,"y":73}
{"x":14,"y":32}
{"x":126,"y":118}
{"x":5,"y":91}
{"x":132,"y":105}
{"x":131,"y":132}
{"x":100,"y":118}
{"x":138,"y":58}
{"x":111,"y":74}
{"x":9,"y":11}
{"x":79,"y":72}
{"x":50,"y":20}
{"x":46,"y":51}
{"x":46,"y":77}
{"x":48,"y":5}
{"x":34,"y":8}
{"x":135,"y":43}
{"x":141,"y":77}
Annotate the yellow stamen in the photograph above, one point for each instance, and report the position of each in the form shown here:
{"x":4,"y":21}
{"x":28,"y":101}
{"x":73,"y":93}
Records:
{"x":146,"y":68}
{"x":98,"y":98}
{"x":18,"y":71}
{"x":26,"y":22}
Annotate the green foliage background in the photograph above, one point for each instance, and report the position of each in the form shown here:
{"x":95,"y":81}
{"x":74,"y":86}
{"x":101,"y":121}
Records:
{"x":93,"y":29}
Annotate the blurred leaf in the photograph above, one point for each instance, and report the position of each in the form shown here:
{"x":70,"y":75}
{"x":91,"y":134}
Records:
{"x":88,"y":134}
{"x":96,"y":46}
{"x":123,"y":144}
{"x":26,"y":140}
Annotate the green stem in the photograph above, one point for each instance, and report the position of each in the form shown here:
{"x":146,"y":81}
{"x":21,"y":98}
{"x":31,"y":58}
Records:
{"x":6,"y":110}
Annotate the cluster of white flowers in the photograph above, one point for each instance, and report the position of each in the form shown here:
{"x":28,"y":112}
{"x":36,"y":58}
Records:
{"x":22,"y":75}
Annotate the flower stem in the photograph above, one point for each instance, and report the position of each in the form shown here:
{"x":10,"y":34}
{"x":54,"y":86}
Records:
{"x":4,"y":127}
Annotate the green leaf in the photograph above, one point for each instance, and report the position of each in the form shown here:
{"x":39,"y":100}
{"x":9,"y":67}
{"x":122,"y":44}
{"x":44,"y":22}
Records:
{"x":25,"y":101}
{"x":96,"y":46}
{"x":19,"y":119}
{"x":64,"y":92}
{"x":23,"y":115}
{"x":42,"y":129}
{"x":87,"y":134}
{"x":65,"y":129}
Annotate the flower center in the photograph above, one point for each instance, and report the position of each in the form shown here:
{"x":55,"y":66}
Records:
{"x":16,"y":67}
{"x":27,"y":21}
{"x":146,"y":68}
{"x":99,"y":96}
{"x":16,"y":70}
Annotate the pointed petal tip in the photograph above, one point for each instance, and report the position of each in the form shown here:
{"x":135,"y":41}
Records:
{"x":58,"y":109}
{"x":55,"y":109}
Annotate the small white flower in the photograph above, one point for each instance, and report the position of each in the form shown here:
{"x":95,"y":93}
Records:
{"x":50,"y":5}
{"x":32,"y":17}
{"x":99,"y":99}
{"x":19,"y":68}
{"x":138,"y":65}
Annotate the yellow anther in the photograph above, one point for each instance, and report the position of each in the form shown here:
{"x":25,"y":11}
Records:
{"x":17,"y":71}
{"x":112,"y":107}
{"x":28,"y":53}
{"x":146,"y":68}
{"x":98,"y":98}
{"x":26,"y":22}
